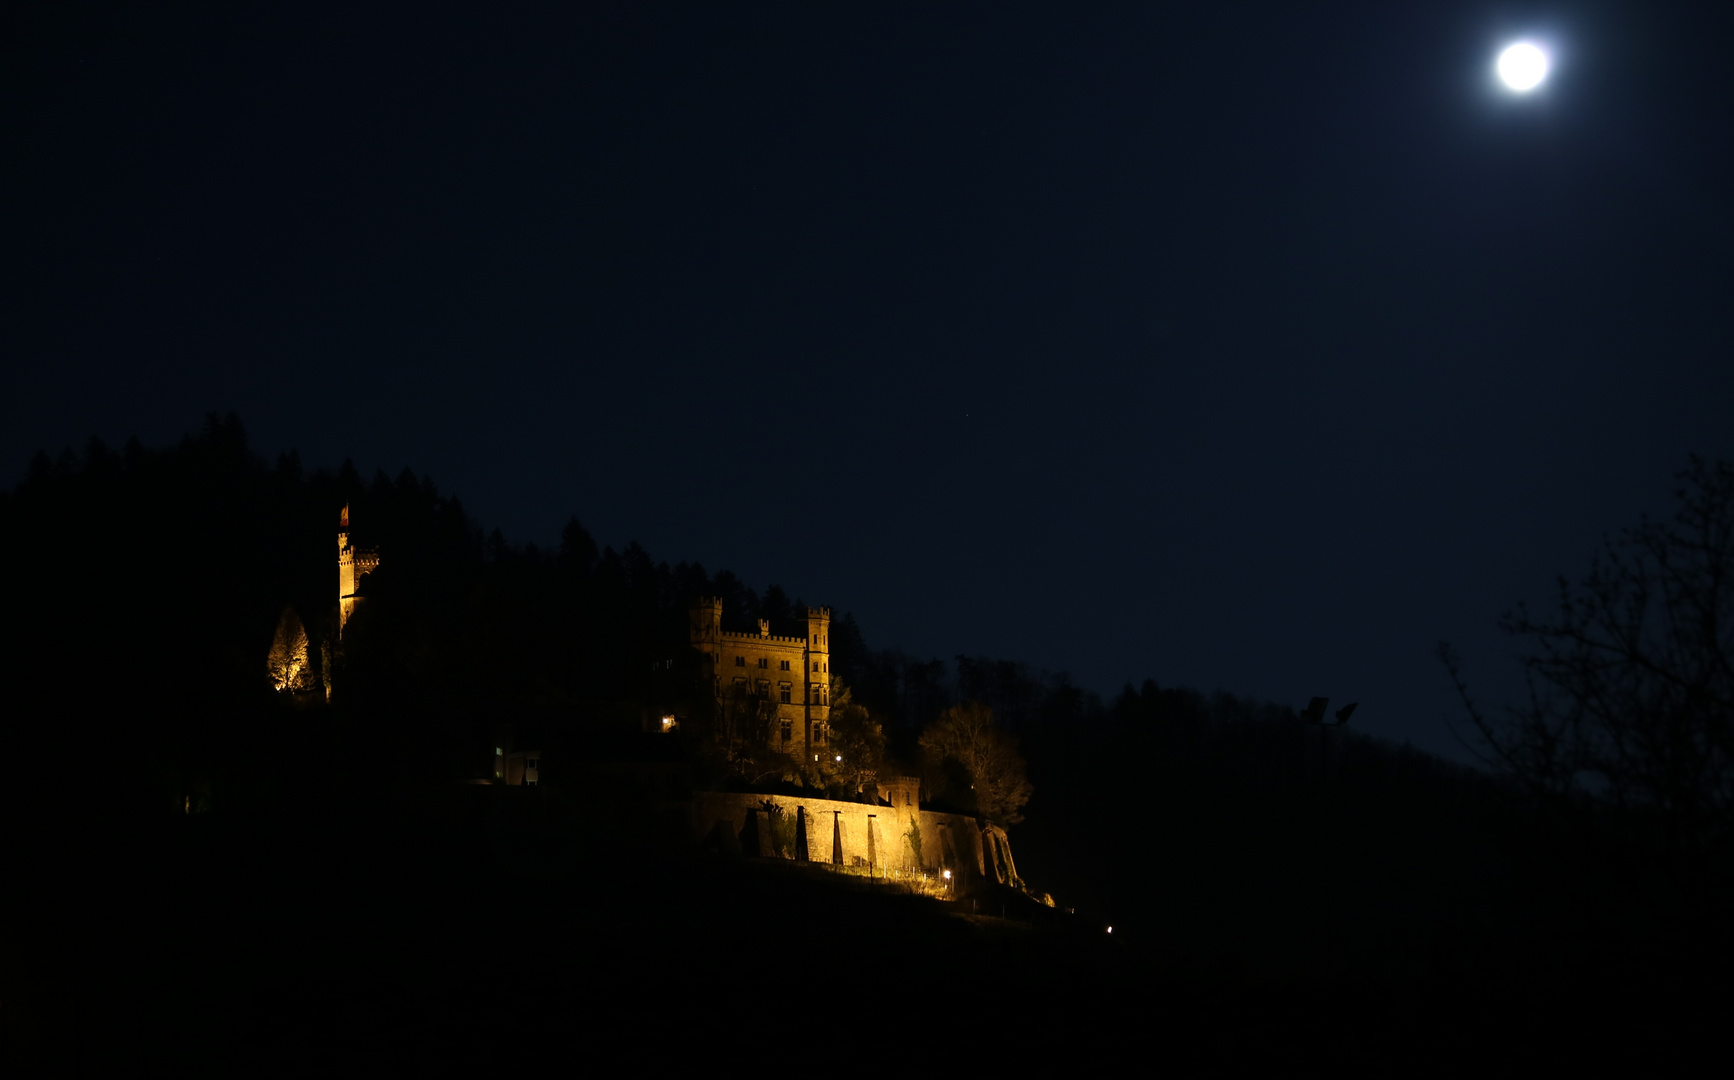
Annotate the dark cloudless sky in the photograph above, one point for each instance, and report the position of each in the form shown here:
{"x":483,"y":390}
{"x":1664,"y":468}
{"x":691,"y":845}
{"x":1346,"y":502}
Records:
{"x":1254,"y":346}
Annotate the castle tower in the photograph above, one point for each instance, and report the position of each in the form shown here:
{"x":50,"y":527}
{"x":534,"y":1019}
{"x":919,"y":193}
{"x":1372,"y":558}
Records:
{"x":352,"y":564}
{"x":818,"y":672}
{"x":706,"y":614}
{"x":705,"y":624}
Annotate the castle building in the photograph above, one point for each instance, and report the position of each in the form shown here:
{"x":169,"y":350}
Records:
{"x":353,"y":564}
{"x":788,"y":676}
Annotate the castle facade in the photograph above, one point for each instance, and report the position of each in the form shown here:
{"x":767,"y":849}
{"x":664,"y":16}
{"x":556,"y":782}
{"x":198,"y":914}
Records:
{"x":788,"y":677}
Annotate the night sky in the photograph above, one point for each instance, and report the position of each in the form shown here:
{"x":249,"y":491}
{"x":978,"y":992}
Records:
{"x":1241,"y":346}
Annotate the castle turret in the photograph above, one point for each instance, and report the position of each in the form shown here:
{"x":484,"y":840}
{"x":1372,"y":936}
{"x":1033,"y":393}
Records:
{"x":352,"y":564}
{"x":706,"y":621}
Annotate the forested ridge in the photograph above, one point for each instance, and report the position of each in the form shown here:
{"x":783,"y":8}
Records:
{"x":157,"y":578}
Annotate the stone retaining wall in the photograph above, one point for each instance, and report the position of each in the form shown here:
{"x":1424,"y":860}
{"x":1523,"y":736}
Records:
{"x":875,"y":839}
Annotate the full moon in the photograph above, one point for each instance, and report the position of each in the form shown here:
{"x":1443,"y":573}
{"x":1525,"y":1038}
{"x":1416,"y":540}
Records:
{"x":1522,"y":66}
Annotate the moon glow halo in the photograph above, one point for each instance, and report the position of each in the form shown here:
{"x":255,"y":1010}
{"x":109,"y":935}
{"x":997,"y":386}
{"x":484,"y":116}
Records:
{"x":1522,"y":67}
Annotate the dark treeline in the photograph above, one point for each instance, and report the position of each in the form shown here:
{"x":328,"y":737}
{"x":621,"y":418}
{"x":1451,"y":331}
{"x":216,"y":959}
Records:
{"x":1228,"y":834}
{"x":154,"y":579}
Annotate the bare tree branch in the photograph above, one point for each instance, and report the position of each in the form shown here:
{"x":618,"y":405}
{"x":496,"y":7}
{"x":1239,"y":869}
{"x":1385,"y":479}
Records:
{"x":1632,"y":679}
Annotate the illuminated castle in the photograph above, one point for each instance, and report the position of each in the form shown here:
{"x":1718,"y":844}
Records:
{"x":352,"y":565}
{"x":790,"y":676}
{"x":786,"y":680}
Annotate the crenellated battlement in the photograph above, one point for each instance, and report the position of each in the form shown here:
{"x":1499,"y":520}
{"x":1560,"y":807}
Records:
{"x":761,"y":639}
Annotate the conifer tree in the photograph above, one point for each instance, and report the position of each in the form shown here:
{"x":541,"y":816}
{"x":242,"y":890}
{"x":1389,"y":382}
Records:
{"x":287,"y":664}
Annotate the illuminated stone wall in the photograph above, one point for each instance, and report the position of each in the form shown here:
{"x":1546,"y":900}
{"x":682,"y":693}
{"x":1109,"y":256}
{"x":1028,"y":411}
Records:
{"x":948,"y":841}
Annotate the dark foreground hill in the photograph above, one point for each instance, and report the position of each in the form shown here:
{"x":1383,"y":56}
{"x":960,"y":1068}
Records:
{"x":491,"y":928}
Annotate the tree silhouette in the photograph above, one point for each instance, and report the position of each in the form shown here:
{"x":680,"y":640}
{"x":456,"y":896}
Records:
{"x":1631,"y":703}
{"x":740,"y":734}
{"x":967,"y":735}
{"x":855,"y":737}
